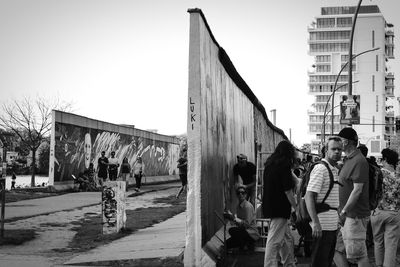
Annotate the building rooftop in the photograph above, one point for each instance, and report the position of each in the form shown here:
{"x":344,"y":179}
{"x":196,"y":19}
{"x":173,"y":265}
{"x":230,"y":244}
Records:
{"x":349,"y":10}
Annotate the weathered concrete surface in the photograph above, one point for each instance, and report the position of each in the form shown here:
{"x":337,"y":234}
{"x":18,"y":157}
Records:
{"x":225,"y":119}
{"x":166,"y":239}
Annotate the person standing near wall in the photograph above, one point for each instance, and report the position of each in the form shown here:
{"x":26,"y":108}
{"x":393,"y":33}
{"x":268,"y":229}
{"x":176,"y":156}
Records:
{"x":113,"y":167}
{"x":247,"y":172}
{"x":182,"y":166}
{"x":138,"y":170}
{"x":102,"y":164}
{"x":125,"y":170}
{"x":278,"y":202}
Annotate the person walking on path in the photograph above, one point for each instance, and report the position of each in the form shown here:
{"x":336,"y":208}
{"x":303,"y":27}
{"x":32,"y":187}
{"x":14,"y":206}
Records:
{"x":324,"y":225}
{"x":113,"y":167}
{"x":247,"y":172}
{"x":13,"y":180}
{"x":182,"y":166}
{"x":102,"y":164}
{"x":354,"y":200}
{"x":138,"y":170}
{"x":278,"y":202}
{"x":385,"y":220}
{"x":125,"y":170}
{"x":244,"y":232}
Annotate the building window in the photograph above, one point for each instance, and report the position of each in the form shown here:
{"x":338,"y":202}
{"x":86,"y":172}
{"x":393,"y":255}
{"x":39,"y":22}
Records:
{"x":329,"y":47}
{"x":323,"y":68}
{"x":373,"y":123}
{"x":377,"y":103}
{"x":344,"y":22}
{"x":373,"y":39}
{"x":377,"y":62}
{"x":326,"y":23}
{"x":323,"y":58}
{"x":373,"y":83}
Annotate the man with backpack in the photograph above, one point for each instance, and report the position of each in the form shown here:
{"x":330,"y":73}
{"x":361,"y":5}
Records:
{"x":323,"y":194}
{"x":354,"y":199}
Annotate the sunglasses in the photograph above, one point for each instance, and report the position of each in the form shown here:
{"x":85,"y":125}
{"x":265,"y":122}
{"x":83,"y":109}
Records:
{"x":241,"y":192}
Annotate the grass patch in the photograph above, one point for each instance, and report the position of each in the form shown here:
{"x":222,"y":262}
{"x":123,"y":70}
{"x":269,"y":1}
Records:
{"x":89,"y":229}
{"x":17,"y":237}
{"x":18,"y":195}
{"x":159,"y":262}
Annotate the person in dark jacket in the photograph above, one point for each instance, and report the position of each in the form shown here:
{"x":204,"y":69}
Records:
{"x":278,"y":203}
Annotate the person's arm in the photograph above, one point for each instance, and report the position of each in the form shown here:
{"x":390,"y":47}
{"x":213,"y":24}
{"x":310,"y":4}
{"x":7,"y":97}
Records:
{"x":291,"y":198}
{"x":252,"y":184}
{"x":310,"y":198}
{"x":354,"y":195}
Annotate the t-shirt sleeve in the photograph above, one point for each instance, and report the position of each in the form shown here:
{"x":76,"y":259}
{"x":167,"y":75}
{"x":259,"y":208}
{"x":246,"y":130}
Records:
{"x":361,"y":172}
{"x":316,"y":179}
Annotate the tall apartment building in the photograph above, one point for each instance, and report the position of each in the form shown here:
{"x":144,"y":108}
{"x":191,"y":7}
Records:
{"x":329,"y":37}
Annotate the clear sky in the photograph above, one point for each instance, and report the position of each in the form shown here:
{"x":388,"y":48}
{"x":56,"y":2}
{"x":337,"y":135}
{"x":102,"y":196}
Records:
{"x":126,"y":61}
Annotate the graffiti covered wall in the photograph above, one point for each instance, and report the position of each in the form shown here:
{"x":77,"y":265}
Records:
{"x":224,"y":119}
{"x":77,"y":141}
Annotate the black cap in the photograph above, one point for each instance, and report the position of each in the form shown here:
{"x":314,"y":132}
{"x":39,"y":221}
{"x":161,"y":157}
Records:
{"x":349,"y":134}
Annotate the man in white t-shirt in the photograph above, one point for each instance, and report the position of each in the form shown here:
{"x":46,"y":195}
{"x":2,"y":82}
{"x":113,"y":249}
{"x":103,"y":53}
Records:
{"x":325,"y":224}
{"x":113,"y":167}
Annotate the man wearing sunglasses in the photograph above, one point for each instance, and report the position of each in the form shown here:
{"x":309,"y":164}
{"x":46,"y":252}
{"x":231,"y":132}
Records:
{"x":244,"y":232}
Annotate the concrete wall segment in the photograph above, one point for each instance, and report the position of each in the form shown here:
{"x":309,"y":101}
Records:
{"x":222,"y":116}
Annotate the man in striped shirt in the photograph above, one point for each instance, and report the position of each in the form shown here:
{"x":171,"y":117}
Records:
{"x":325,"y":224}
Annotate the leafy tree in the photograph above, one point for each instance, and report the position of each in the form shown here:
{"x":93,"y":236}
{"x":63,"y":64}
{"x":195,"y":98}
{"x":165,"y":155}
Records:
{"x":44,"y":158}
{"x":31,"y":121}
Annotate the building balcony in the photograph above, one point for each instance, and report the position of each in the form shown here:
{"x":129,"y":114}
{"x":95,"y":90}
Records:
{"x":389,"y":114}
{"x":389,"y":91}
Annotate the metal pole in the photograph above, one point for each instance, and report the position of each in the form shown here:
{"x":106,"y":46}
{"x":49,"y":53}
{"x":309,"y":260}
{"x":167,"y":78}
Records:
{"x":351,"y":48}
{"x":334,"y":91}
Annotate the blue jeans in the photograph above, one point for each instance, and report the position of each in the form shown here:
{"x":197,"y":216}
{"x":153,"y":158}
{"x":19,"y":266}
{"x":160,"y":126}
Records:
{"x":279,"y":241}
{"x":386,"y":230}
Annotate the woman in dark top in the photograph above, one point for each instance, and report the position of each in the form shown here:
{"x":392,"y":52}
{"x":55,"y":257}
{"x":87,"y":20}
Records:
{"x":278,"y":201}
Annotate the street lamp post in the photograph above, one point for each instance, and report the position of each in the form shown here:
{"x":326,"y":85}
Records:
{"x":351,"y":47}
{"x":334,"y":91}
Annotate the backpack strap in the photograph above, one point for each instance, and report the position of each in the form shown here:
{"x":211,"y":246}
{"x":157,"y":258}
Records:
{"x":331,"y":182}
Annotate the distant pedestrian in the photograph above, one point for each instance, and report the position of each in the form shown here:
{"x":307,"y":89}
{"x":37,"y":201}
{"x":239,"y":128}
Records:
{"x":182,"y":166}
{"x":113,"y":167}
{"x":138,"y":171}
{"x":13,"y":180}
{"x":125,"y":170}
{"x":102,"y":165}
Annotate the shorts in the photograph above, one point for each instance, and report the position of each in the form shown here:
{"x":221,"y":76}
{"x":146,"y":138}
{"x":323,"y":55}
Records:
{"x":354,"y":233}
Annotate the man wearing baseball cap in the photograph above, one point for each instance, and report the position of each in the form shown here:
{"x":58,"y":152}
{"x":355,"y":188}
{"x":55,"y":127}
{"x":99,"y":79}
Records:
{"x":353,"y":199}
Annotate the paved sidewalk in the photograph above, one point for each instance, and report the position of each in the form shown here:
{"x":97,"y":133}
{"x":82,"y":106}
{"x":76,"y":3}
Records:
{"x":162,"y":240}
{"x":40,"y":206}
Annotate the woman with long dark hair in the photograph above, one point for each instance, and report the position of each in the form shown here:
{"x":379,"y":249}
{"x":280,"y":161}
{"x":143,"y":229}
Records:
{"x":278,"y":202}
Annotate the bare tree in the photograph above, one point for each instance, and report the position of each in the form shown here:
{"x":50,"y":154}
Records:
{"x":30,"y":120}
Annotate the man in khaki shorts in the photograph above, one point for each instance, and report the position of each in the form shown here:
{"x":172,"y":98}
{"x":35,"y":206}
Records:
{"x":354,"y":199}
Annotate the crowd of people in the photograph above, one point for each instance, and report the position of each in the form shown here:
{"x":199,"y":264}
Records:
{"x":346,"y":206}
{"x":107,"y":169}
